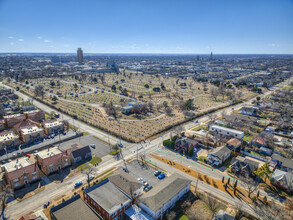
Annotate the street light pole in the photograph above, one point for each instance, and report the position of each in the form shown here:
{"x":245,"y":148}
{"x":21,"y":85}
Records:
{"x":120,"y":146}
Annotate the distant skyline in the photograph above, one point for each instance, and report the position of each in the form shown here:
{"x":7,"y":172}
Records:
{"x":147,"y":26}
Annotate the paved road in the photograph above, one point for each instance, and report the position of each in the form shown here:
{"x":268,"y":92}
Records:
{"x":18,"y":208}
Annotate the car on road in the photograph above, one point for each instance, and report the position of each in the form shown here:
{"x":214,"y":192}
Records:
{"x":140,"y":179}
{"x":78,"y":184}
{"x":196,"y":121}
{"x":36,"y":151}
{"x":3,"y":162}
{"x":14,"y":155}
{"x":161,"y":176}
{"x":91,"y":177}
{"x":93,"y":146}
{"x":157,"y":173}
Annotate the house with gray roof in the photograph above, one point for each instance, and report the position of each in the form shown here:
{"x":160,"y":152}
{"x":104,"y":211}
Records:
{"x":127,"y":183}
{"x":222,"y":215}
{"x":243,"y":166}
{"x":283,"y":180}
{"x":164,"y":195}
{"x":218,"y":155}
{"x":284,"y":163}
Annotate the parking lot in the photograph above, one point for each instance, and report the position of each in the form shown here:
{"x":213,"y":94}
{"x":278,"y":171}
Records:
{"x":101,"y":148}
{"x":26,"y":149}
{"x":145,"y":172}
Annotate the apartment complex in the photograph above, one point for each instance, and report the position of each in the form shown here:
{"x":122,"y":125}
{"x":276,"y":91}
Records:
{"x":52,"y":126}
{"x":11,"y":120}
{"x":52,"y":160}
{"x":8,"y":139}
{"x":35,"y":115}
{"x":31,"y":134}
{"x":21,"y":172}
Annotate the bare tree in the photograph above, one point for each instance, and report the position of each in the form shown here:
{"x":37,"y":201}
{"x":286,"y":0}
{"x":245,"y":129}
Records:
{"x":151,"y":105}
{"x":213,"y":205}
{"x":66,"y":125}
{"x":169,"y":110}
{"x":4,"y":196}
{"x":212,"y":117}
{"x":250,"y":185}
{"x":214,"y":93}
{"x":89,"y":172}
{"x":39,"y":91}
{"x":111,"y":110}
{"x":178,"y":130}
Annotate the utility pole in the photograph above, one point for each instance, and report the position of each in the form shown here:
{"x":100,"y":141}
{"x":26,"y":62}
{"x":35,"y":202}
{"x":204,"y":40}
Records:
{"x":120,"y":146}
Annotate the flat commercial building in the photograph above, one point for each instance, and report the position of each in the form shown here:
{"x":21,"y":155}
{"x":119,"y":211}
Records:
{"x":74,"y":208}
{"x":106,"y":199}
{"x":227,"y":131}
{"x":164,"y":195}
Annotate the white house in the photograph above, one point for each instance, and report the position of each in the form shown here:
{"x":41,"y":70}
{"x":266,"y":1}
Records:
{"x":227,"y":131}
{"x":164,"y":195}
{"x":218,"y":155}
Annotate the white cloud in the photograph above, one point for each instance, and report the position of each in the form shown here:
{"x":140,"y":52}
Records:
{"x":11,"y":37}
{"x":20,"y":40}
{"x":11,"y":43}
{"x":47,"y":41}
{"x":274,"y":45}
{"x":39,"y":37}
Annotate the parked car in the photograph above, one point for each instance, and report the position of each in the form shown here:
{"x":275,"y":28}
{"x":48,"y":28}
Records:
{"x":36,"y":151}
{"x":161,"y":176}
{"x":148,"y":188}
{"x":157,"y":173}
{"x":91,"y":177}
{"x":78,"y":184}
{"x":140,"y":179}
{"x":46,"y":204}
{"x":93,"y":146}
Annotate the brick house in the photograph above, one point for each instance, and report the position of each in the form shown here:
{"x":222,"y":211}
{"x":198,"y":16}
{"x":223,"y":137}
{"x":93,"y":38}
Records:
{"x":183,"y":145}
{"x":78,"y":152}
{"x":107,"y":200}
{"x":29,"y":131}
{"x":8,"y":139}
{"x":35,"y":115}
{"x":52,"y":160}
{"x":52,"y":126}
{"x":2,"y":125}
{"x":21,"y":172}
{"x":11,"y":120}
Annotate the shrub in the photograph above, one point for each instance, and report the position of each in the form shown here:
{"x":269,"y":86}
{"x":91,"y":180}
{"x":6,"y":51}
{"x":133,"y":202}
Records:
{"x":169,"y":143}
{"x":190,"y":152}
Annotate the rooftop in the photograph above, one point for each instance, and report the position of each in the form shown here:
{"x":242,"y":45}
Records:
{"x":17,"y":164}
{"x":7,"y":135}
{"x":74,"y":208}
{"x":49,"y":152}
{"x":108,"y":196}
{"x":32,"y":111}
{"x":227,"y":129}
{"x":164,"y":191}
{"x":13,"y":116}
{"x":31,"y":129}
{"x":52,"y":123}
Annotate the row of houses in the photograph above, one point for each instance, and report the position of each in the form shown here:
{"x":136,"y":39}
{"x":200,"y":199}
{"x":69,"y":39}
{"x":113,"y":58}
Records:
{"x":26,"y":170}
{"x":29,"y":131}
{"x":121,"y":196}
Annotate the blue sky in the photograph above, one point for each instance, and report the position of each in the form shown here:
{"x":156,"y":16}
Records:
{"x":147,"y":26}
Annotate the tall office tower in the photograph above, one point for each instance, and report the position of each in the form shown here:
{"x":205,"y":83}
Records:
{"x":80,"y":55}
{"x":211,"y":56}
